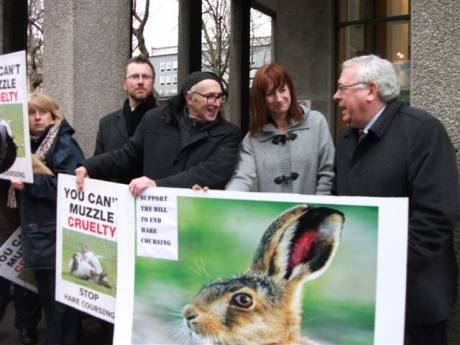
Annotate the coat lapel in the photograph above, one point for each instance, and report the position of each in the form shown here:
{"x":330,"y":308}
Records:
{"x":120,"y":125}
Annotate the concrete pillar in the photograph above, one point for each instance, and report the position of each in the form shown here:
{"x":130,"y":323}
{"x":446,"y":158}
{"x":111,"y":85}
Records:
{"x":87,"y":44}
{"x":189,"y":54}
{"x":435,"y":60}
{"x":435,"y":80}
{"x":304,"y":37}
{"x":239,"y":64}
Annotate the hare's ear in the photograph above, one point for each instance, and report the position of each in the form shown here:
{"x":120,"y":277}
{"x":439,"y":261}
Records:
{"x":300,"y":243}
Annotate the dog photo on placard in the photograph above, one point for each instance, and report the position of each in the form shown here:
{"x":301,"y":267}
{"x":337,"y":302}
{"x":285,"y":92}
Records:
{"x":89,"y":261}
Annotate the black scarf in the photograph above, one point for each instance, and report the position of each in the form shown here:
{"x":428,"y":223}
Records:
{"x":133,"y":118}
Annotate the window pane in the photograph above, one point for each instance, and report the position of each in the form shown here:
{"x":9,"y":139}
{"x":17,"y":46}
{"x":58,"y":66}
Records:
{"x":392,"y":40}
{"x":161,"y":39}
{"x":389,"y":8}
{"x":389,"y":40}
{"x":350,"y":10}
{"x":351,"y":42}
{"x":215,"y":36}
{"x":395,"y":46}
{"x":261,"y":41}
{"x":35,"y":39}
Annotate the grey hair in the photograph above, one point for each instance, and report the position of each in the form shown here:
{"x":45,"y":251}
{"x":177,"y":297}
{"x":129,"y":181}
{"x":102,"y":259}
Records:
{"x":378,"y":70}
{"x":192,"y":89}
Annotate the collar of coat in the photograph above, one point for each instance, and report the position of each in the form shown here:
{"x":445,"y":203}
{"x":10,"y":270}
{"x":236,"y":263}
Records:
{"x":379,"y":128}
{"x":149,"y":103}
{"x":269,"y":130}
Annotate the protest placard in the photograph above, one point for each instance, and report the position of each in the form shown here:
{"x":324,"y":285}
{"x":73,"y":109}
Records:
{"x":12,"y":262}
{"x":88,"y":227}
{"x":189,"y":258}
{"x":14,"y":113}
{"x":256,"y":268}
{"x":156,"y":217}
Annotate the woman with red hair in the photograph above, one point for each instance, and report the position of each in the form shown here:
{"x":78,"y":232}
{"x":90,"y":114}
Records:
{"x":288,"y":148}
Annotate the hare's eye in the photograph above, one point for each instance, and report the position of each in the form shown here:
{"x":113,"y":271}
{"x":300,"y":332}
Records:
{"x":242,"y":300}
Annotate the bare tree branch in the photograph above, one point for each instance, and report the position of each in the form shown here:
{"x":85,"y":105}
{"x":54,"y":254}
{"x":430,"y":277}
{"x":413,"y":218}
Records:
{"x":34,"y":42}
{"x":140,"y":17}
{"x":215,"y":30}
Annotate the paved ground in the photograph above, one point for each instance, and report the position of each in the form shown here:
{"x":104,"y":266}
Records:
{"x":9,"y":335}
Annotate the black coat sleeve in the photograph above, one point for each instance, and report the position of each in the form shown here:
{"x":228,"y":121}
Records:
{"x":122,"y":163}
{"x":213,"y":172}
{"x":434,"y":195}
{"x":99,"y":141}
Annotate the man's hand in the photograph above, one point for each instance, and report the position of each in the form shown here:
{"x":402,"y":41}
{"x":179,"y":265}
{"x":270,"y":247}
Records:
{"x":197,"y":187}
{"x":17,"y":184}
{"x":80,"y":174}
{"x":138,"y":185}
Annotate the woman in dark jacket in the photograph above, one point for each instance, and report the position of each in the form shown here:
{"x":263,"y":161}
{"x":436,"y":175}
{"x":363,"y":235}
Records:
{"x":54,"y":151}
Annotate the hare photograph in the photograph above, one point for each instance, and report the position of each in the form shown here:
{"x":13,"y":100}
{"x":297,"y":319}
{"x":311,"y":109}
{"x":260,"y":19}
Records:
{"x":261,"y":272}
{"x":89,"y":261}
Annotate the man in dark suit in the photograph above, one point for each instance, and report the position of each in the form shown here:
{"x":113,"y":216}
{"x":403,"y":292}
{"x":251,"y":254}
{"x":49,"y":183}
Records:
{"x":116,"y":128}
{"x":393,"y":150}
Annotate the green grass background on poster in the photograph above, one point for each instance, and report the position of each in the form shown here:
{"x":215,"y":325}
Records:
{"x":12,"y":113}
{"x":218,"y":238}
{"x":104,"y":249}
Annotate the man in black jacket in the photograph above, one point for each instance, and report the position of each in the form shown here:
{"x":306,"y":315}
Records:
{"x":116,"y":128}
{"x":393,"y":150}
{"x":188,"y":142}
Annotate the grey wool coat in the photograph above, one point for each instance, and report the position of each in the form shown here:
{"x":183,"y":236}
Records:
{"x":301,"y":162}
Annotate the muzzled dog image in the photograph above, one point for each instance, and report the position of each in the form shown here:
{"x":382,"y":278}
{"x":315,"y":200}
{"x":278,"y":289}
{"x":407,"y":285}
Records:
{"x":89,"y":261}
{"x":85,"y":264}
{"x":264,"y":304}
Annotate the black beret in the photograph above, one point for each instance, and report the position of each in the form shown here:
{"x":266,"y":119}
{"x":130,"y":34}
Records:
{"x":196,"y":77}
{"x":7,"y":149}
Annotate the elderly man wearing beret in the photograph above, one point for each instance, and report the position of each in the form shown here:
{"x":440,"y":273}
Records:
{"x":185,"y":143}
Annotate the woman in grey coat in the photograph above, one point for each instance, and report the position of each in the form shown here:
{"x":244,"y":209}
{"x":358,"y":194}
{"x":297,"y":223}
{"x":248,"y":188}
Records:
{"x":288,"y":148}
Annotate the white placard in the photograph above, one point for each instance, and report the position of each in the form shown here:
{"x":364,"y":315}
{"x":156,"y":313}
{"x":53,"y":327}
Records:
{"x":14,"y":112}
{"x":152,"y":310}
{"x":88,"y":227}
{"x":156,"y":216}
{"x":12,"y":262}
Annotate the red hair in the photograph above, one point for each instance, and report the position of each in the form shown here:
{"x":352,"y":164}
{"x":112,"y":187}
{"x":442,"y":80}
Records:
{"x":270,"y":73}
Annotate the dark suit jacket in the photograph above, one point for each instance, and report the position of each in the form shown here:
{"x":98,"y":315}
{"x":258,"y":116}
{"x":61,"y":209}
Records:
{"x":113,"y":133}
{"x":155,"y":151}
{"x":407,"y":153}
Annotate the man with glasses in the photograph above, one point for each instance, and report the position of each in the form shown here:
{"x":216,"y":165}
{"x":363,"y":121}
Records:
{"x":393,"y":150}
{"x":115,"y":128}
{"x":185,"y":143}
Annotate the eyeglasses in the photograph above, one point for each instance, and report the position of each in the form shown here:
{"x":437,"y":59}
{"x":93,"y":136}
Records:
{"x":211,"y":99}
{"x":342,"y":87}
{"x":137,"y":77}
